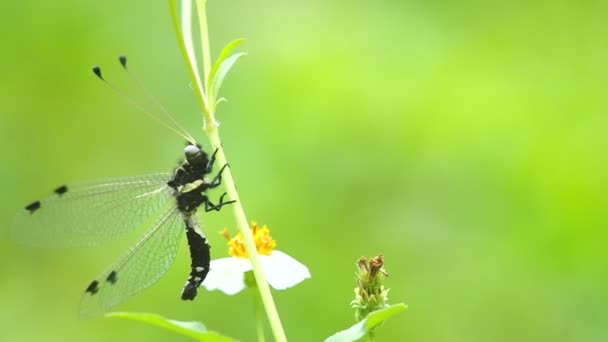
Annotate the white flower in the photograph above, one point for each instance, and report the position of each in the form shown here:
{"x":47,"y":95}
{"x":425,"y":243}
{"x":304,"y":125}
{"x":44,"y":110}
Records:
{"x":280,"y":270}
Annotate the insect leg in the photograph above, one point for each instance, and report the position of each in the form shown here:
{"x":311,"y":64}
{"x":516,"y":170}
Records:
{"x":211,"y":161}
{"x":217,"y":180}
{"x":209,"y":206}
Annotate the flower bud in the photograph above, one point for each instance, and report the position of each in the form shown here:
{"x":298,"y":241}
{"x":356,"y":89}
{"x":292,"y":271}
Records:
{"x":370,"y":294}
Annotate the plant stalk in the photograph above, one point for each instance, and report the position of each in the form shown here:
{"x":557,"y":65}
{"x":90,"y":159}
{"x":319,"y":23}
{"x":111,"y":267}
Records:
{"x":243,"y":225}
{"x":211,"y":128}
{"x":257,"y":307}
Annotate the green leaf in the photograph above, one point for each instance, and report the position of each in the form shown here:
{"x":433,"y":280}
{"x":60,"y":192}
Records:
{"x":196,"y":330}
{"x":226,"y":51}
{"x":221,"y":58}
{"x":372,"y":320}
{"x":216,"y":81}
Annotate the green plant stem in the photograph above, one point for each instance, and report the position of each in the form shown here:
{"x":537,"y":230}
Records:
{"x":188,"y":57}
{"x":258,"y":314}
{"x":242,"y":223}
{"x":211,"y":128}
{"x":202,"y":19}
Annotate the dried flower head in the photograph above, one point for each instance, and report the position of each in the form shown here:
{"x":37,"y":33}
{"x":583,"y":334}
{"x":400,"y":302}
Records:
{"x":370,"y":294}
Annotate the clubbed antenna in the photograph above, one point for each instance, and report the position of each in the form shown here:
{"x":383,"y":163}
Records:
{"x":123,"y":61}
{"x":176,"y":128}
{"x":97,"y":71}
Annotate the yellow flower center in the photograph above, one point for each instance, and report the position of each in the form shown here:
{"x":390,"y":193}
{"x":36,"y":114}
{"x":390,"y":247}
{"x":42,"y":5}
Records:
{"x":261,"y":236}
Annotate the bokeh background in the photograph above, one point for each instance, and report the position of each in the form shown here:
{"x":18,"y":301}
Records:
{"x":464,"y":140}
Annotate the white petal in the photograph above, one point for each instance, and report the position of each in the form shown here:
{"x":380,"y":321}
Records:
{"x":283,"y":271}
{"x":226,"y":275}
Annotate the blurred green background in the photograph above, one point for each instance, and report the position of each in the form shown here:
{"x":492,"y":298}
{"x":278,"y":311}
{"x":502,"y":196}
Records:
{"x":464,"y":140}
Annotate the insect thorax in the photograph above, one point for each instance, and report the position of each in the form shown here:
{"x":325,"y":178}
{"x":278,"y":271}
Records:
{"x":189,"y":185}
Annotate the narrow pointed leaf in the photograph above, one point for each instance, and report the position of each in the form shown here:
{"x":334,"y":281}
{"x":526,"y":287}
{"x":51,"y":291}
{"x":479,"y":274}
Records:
{"x":372,"y":320}
{"x":225,"y":66}
{"x":196,"y":330}
{"x":226,"y":51}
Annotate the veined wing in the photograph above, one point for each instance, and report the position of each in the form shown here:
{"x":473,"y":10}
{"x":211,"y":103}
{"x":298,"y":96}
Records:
{"x":140,"y":267}
{"x":92,"y":212}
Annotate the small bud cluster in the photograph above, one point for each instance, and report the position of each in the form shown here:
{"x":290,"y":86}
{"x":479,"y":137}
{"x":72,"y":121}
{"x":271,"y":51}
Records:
{"x":370,"y":294}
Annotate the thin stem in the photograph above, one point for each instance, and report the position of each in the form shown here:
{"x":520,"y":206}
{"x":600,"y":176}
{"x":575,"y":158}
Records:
{"x":186,"y":18}
{"x":241,"y":220}
{"x":202,"y":20}
{"x":258,"y":314}
{"x":211,"y":128}
{"x":209,"y":115}
{"x":186,"y":55}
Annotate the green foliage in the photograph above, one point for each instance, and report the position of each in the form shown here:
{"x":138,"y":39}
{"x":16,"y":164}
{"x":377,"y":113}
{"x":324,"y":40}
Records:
{"x":226,"y":51}
{"x":196,"y":330}
{"x":220,"y":68}
{"x":367,"y":325}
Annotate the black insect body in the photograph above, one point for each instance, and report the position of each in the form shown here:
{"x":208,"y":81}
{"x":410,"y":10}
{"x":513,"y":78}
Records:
{"x":93,"y":212}
{"x":189,"y":187}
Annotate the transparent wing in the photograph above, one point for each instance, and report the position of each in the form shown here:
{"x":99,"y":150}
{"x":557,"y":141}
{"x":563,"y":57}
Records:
{"x":89,"y":213}
{"x":141,"y":266}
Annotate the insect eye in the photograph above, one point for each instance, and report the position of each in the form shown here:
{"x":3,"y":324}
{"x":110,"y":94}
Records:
{"x":192,"y":151}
